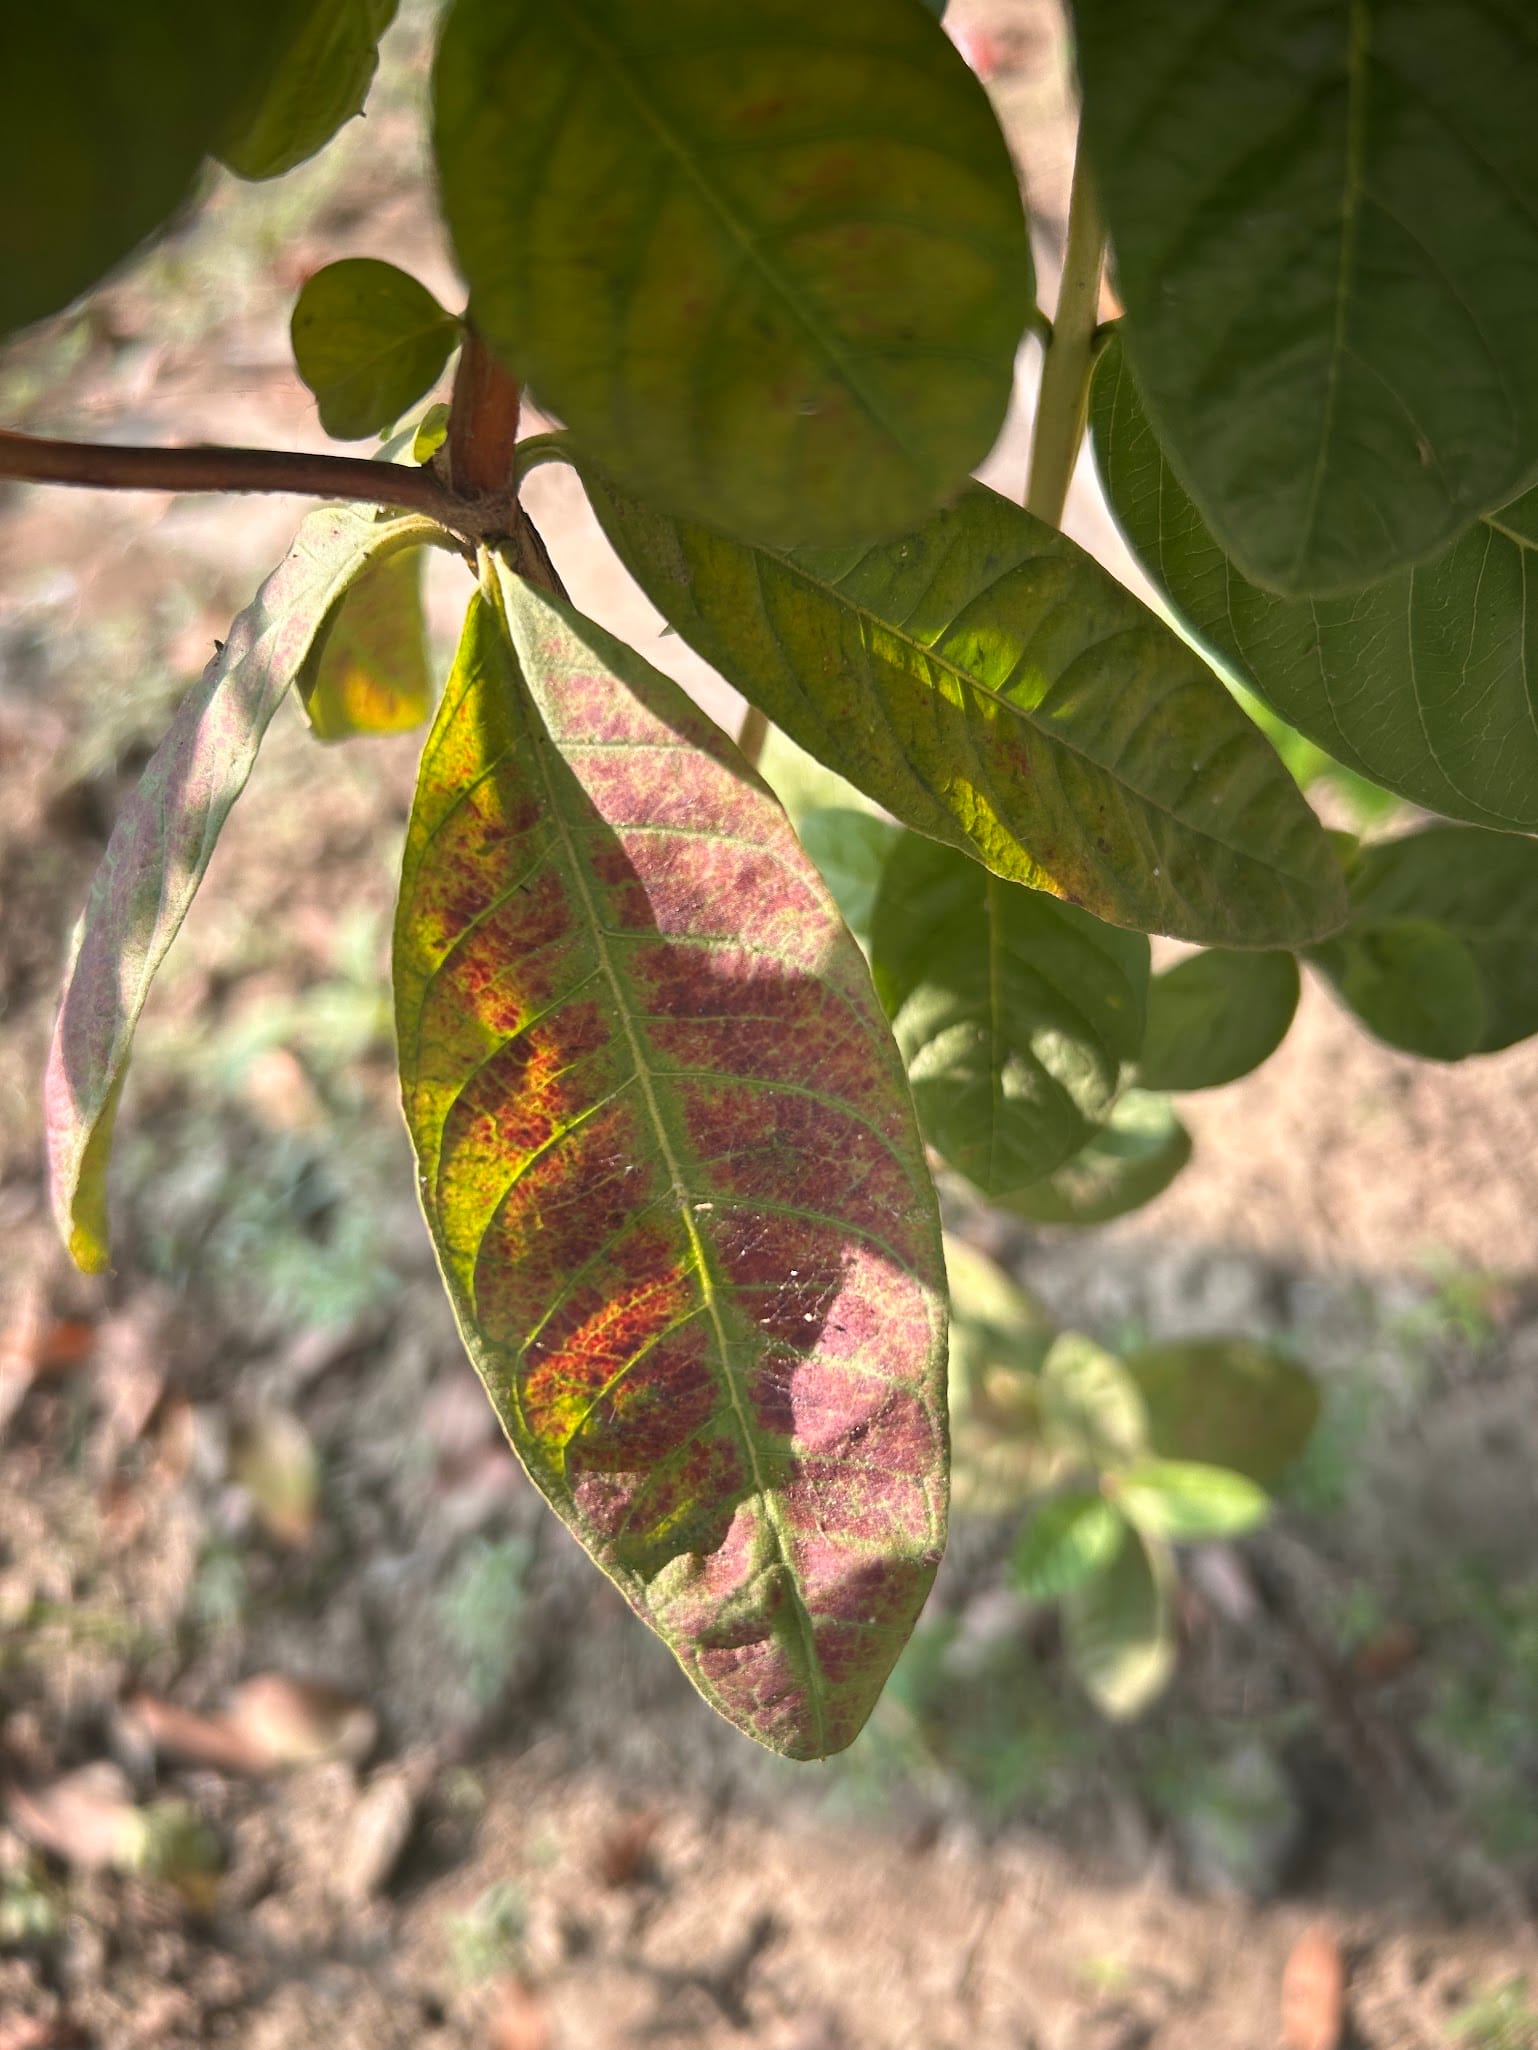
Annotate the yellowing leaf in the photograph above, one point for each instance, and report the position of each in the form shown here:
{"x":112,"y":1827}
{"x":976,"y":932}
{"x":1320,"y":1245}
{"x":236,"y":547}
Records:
{"x":371,"y":673}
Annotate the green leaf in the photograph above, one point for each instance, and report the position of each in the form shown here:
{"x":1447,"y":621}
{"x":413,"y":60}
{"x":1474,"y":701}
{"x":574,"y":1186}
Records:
{"x":164,"y":838}
{"x":1134,"y":1158}
{"x":106,"y":113}
{"x":1228,"y":1402}
{"x":1090,"y":1405}
{"x":989,"y":684}
{"x":369,"y":341}
{"x":1117,"y":1628}
{"x":1184,"y":1499}
{"x":769,"y":263}
{"x":1325,"y":223}
{"x":1014,"y":1012}
{"x":1000,"y":1338}
{"x":850,"y":849}
{"x":432,"y":431}
{"x":1066,"y":1542}
{"x":1413,"y":984}
{"x":1424,"y":682}
{"x":322,"y":82}
{"x":1215,"y":1017}
{"x":369,"y":672}
{"x":670,"y":1166}
{"x":1482,"y":887}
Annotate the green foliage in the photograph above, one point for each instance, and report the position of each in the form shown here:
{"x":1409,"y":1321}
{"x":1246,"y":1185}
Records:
{"x":1067,"y":1541}
{"x":1215,"y":1017}
{"x":369,"y":671}
{"x":368,"y":341}
{"x":1227,"y":1402}
{"x":321,"y":82}
{"x":1130,"y":1160}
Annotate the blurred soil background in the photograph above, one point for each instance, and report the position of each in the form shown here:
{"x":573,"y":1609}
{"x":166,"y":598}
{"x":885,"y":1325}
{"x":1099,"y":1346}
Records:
{"x":315,"y":1727}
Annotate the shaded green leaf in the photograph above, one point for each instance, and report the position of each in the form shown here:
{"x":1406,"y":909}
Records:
{"x":1215,"y":1017}
{"x":1325,"y":222}
{"x":432,"y":431}
{"x":1014,"y":1012}
{"x":850,"y":849}
{"x":369,"y":672}
{"x":1090,"y":1405}
{"x":368,"y":341}
{"x":1000,"y":1337}
{"x":991,"y":685}
{"x":1480,"y":886}
{"x":106,"y":113}
{"x":1132,"y":1159}
{"x":164,"y":838}
{"x":1117,"y":1628}
{"x":769,"y":264}
{"x":1068,"y":1540}
{"x":1424,"y":682}
{"x":1413,"y":984}
{"x":1182,"y":1499}
{"x":1229,"y":1402}
{"x":670,"y":1166}
{"x":321,"y":82}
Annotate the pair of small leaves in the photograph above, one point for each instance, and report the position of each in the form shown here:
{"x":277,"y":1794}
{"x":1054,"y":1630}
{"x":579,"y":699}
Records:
{"x":991,"y":686}
{"x":368,"y":340}
{"x":165,"y":836}
{"x":769,"y":264}
{"x":1437,"y":958}
{"x":1325,"y":231}
{"x":1424,"y":681}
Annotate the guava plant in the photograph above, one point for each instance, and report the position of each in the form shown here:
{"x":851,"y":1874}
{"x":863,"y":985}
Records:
{"x":769,"y":268}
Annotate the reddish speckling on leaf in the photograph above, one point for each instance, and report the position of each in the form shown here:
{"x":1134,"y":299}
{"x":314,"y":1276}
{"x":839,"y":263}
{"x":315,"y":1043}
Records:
{"x":669,"y":1161}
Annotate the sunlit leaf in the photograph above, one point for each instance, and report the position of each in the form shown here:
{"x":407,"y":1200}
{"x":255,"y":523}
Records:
{"x":1229,"y":1402}
{"x":370,"y":673}
{"x":1066,"y":1541}
{"x":670,"y":1166}
{"x":768,"y":263}
{"x":1412,"y":983}
{"x":1424,"y":682}
{"x":1014,"y":1012}
{"x":106,"y":112}
{"x":1325,"y":224}
{"x":1216,"y":1016}
{"x":1000,"y":1338}
{"x":1130,"y":1160}
{"x":1182,"y":1499}
{"x":1117,"y":1628}
{"x":431,"y":432}
{"x":321,"y":82}
{"x":991,"y":685}
{"x":850,"y":849}
{"x":164,"y":838}
{"x":1090,"y":1404}
{"x":368,"y":341}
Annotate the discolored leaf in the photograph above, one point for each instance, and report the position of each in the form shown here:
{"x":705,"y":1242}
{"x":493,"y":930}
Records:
{"x":1481,"y":887}
{"x":1014,"y":1012}
{"x":669,"y":1162}
{"x":1215,"y":1017}
{"x":1090,"y":1405}
{"x":1424,"y":682}
{"x":1325,"y":225}
{"x":991,"y":685}
{"x":1184,"y":1499}
{"x":370,"y":673}
{"x":1068,"y":1540}
{"x":850,"y":849}
{"x":106,"y":112}
{"x":164,"y":838}
{"x":369,"y":341}
{"x":1117,"y":1628}
{"x":321,"y":82}
{"x":1130,"y":1160}
{"x":770,"y":264}
{"x":1414,"y":984}
{"x":1000,"y":1337}
{"x":1229,"y":1402}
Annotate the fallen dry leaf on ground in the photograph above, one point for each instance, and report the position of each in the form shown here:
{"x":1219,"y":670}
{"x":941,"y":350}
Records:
{"x":1314,"y":1992}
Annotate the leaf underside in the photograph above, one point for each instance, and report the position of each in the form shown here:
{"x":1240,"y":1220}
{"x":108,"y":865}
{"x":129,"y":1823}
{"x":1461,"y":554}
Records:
{"x":768,"y":263}
{"x":164,"y":838}
{"x":993,"y":687}
{"x":370,"y":673}
{"x":321,"y":83}
{"x":1324,"y":215}
{"x":1427,"y":682}
{"x":669,"y":1162}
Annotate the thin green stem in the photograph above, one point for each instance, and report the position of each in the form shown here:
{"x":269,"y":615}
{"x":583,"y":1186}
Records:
{"x":1063,"y":400}
{"x":536,"y":449}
